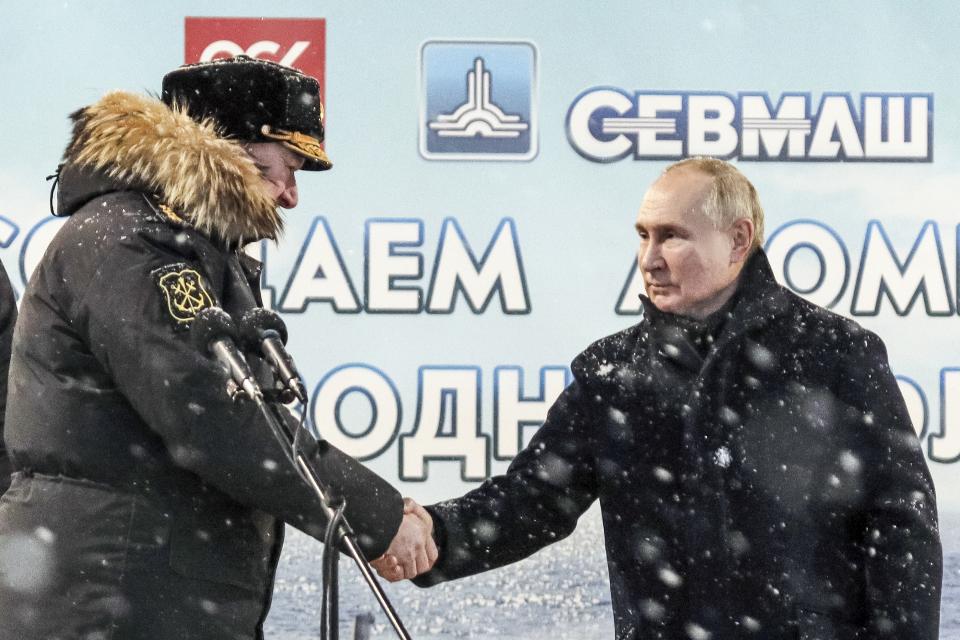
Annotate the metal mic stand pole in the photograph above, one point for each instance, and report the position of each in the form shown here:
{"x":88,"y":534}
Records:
{"x":285,"y":440}
{"x":345,"y":532}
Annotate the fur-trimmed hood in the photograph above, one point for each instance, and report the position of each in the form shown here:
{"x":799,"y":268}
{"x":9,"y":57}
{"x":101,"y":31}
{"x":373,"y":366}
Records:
{"x":138,"y":142}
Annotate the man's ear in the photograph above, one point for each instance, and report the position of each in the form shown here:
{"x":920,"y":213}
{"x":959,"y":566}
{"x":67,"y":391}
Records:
{"x":741,"y":235}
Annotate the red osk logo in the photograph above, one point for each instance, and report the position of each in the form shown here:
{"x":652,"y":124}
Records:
{"x":294,"y":42}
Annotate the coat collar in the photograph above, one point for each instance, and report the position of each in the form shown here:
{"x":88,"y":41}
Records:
{"x":129,"y":141}
{"x":758,"y":300}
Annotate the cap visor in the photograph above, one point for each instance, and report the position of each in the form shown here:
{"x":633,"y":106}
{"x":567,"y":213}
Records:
{"x":316,"y":158}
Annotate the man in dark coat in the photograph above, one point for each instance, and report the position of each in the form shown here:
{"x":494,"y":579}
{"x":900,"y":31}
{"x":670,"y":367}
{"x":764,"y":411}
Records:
{"x":8,"y":317}
{"x":757,"y":471}
{"x":146,"y":503}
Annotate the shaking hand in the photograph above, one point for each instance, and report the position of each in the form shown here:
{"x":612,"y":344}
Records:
{"x":412,"y":551}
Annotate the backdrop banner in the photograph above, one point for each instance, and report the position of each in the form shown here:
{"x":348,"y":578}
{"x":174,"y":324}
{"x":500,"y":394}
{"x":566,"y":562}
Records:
{"x":476,"y":231}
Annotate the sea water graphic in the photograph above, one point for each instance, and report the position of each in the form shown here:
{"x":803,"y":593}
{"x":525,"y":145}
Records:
{"x":560,"y":593}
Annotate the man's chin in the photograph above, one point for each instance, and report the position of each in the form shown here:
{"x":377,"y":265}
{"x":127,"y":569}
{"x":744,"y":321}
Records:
{"x":666,"y":303}
{"x":672,"y":304}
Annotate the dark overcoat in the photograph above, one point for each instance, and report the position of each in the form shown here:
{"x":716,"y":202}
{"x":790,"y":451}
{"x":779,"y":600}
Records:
{"x":769,"y":485}
{"x":146,"y":504}
{"x":8,"y":318}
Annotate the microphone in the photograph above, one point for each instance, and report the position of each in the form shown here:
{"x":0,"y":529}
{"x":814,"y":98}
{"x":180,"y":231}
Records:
{"x":214,"y":332}
{"x":264,"y":329}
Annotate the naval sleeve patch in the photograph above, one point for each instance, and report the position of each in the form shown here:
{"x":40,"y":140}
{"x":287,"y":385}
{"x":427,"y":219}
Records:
{"x":184,"y":293}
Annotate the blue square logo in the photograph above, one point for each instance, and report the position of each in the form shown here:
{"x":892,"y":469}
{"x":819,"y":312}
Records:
{"x":478,"y":100}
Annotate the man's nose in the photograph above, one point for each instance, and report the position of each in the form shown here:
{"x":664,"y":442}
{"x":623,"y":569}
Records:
{"x":650,"y":257}
{"x":288,"y":197}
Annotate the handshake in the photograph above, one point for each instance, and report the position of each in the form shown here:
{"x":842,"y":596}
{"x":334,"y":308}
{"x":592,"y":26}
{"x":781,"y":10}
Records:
{"x":412,"y":550}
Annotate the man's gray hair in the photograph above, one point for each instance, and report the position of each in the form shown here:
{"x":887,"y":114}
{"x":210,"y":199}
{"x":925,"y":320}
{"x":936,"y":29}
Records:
{"x":733,"y":196}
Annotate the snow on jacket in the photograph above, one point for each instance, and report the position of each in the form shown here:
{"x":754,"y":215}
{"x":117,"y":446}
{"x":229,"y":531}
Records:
{"x":770,"y":485}
{"x":146,"y":503}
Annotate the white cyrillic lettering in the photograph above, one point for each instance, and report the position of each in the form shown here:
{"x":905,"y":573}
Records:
{"x":447,"y":426}
{"x":512,"y":410}
{"x":384,"y":265}
{"x":923,"y":273}
{"x":835,"y":117}
{"x":790,"y":126}
{"x":499,"y":270}
{"x":711,"y":117}
{"x":382,"y":402}
{"x":791,"y":241}
{"x":649,"y":108}
{"x":319,"y":275}
{"x":896,"y":144}
{"x":579,"y":131}
{"x":945,"y":446}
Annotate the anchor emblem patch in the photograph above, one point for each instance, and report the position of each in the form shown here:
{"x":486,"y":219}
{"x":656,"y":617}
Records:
{"x":184,"y":293}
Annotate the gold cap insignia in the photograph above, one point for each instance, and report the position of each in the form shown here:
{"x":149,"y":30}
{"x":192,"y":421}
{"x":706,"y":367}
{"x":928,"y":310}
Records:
{"x":307,"y":146}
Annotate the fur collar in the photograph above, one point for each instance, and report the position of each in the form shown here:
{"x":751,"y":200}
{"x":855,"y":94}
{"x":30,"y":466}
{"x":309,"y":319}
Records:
{"x":207,"y":179}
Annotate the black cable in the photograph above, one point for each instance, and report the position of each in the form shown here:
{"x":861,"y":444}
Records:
{"x":55,"y":176}
{"x":330,"y":590}
{"x":298,"y":431}
{"x":329,"y":605}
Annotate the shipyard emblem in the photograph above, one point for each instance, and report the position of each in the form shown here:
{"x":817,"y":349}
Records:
{"x":184,"y":293}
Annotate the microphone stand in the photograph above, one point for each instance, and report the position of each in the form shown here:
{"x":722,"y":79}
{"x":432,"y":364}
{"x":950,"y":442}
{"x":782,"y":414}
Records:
{"x":306,"y":470}
{"x":344,"y":532}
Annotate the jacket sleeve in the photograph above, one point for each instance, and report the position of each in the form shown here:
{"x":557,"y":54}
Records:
{"x":8,"y":317}
{"x":536,"y":502}
{"x":897,"y":523}
{"x":180,"y":394}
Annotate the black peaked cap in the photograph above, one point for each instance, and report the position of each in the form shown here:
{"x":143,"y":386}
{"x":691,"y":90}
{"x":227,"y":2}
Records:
{"x":254,"y":100}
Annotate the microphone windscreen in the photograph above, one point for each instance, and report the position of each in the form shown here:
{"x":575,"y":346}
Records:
{"x":257,"y":320}
{"x":211,"y":324}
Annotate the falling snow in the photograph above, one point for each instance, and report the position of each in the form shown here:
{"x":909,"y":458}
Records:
{"x":561,"y":593}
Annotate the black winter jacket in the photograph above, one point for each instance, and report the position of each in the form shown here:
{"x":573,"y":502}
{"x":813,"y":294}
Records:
{"x":147,"y":504}
{"x":8,"y":317}
{"x":769,"y":485}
